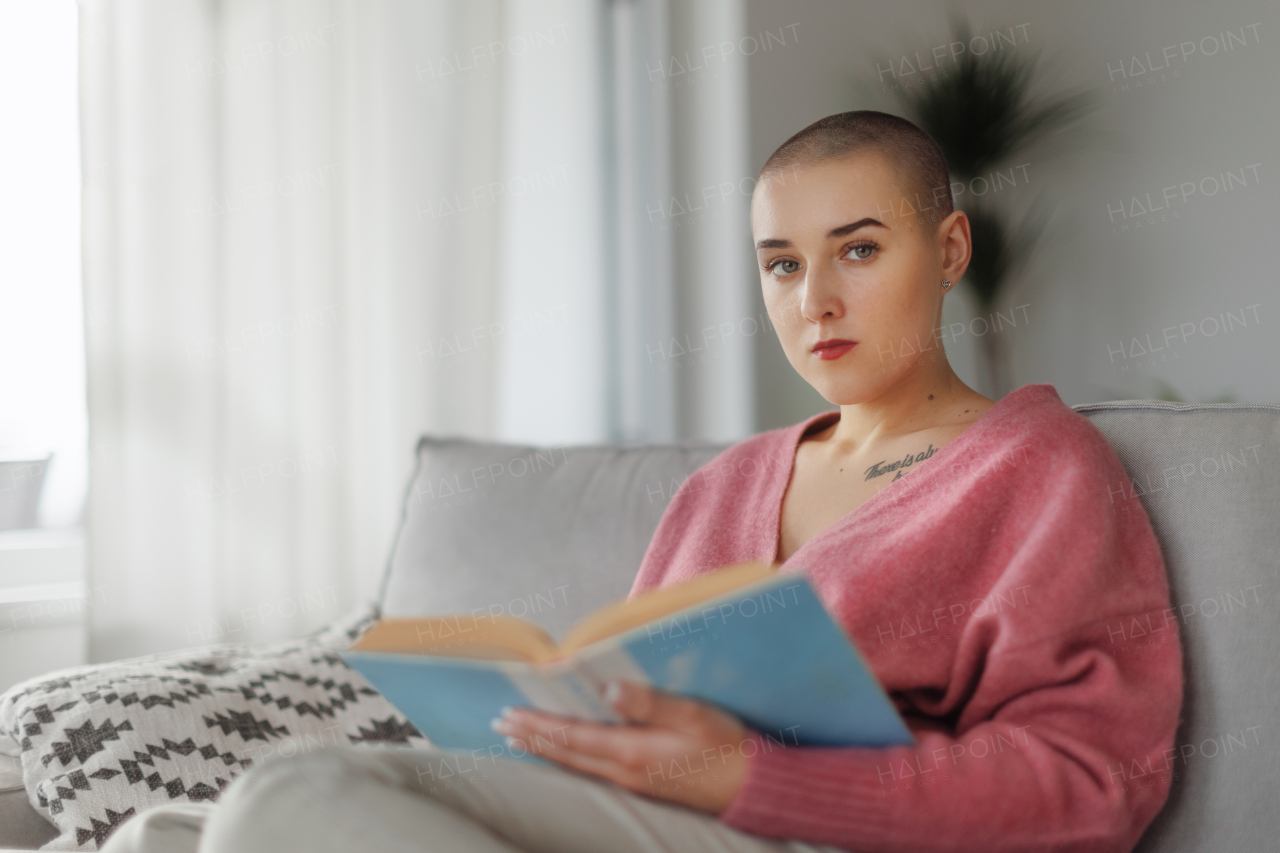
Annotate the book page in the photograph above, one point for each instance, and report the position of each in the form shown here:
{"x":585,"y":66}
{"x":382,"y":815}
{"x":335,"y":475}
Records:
{"x":648,"y":606}
{"x":477,"y":637}
{"x":508,"y":638}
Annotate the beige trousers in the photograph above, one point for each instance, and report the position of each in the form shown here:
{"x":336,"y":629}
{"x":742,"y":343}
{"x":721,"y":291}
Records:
{"x":369,"y":800}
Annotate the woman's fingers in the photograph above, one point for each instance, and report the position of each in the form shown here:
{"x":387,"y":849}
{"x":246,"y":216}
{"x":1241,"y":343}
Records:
{"x":660,"y":724}
{"x":657,"y":709}
{"x":661,"y":728}
{"x":544,"y":733}
{"x":611,"y":752}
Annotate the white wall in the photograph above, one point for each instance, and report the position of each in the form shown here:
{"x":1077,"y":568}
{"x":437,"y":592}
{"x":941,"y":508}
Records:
{"x":1095,"y":284}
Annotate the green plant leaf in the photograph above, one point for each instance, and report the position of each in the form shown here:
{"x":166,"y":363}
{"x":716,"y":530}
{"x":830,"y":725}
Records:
{"x":1000,"y":249}
{"x":983,"y":112}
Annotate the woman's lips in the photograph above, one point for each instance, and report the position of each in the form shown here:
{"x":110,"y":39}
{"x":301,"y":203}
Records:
{"x":832,"y":349}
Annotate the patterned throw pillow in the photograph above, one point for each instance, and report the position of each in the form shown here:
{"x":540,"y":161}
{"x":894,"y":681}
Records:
{"x":102,"y":743}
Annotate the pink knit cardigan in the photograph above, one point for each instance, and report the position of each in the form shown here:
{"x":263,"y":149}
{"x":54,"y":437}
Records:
{"x":1012,"y":599}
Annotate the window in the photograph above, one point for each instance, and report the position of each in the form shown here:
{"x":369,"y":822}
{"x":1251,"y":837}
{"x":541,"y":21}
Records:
{"x":42,"y":378}
{"x":42,"y":390}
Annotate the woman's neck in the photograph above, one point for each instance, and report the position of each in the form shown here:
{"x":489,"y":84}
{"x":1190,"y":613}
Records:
{"x":918,"y":402}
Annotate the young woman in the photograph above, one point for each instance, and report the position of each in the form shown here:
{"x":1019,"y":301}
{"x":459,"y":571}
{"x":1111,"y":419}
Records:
{"x":987,"y":590}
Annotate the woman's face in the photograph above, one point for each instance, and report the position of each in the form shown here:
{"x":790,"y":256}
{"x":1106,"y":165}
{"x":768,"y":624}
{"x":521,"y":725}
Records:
{"x":842,"y":259}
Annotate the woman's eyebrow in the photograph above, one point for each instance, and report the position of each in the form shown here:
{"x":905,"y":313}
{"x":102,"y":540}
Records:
{"x":774,"y":243}
{"x":854,"y":226}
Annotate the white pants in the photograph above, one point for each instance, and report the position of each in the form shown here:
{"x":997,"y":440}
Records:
{"x":371,"y":800}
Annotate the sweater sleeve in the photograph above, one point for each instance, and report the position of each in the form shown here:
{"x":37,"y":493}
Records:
{"x":1063,"y":712}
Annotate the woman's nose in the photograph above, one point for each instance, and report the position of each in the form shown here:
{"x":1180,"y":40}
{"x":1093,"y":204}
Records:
{"x":821,"y":296}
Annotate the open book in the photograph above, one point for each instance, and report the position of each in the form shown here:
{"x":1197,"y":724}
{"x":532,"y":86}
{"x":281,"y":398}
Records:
{"x":752,"y":640}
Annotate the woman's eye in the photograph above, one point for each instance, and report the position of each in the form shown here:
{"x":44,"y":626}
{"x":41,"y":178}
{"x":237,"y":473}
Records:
{"x":784,"y":267}
{"x":862,"y":251}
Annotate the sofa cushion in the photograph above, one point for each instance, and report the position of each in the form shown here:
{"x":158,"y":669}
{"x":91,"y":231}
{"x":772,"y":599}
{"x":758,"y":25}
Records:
{"x":101,"y":743}
{"x":545,"y":533}
{"x":1209,"y":479}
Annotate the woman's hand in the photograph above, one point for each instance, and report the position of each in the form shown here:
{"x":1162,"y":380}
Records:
{"x":672,"y":748}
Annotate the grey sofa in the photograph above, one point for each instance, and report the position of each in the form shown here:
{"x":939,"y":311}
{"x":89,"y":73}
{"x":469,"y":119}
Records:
{"x":550,"y":533}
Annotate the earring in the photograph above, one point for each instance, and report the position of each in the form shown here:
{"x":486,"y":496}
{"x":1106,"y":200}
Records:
{"x":946,"y":284}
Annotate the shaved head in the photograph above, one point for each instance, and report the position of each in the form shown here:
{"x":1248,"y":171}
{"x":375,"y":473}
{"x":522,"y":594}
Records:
{"x":917,"y":159}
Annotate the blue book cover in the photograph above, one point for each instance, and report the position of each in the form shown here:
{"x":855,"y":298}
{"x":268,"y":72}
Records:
{"x":767,"y":652}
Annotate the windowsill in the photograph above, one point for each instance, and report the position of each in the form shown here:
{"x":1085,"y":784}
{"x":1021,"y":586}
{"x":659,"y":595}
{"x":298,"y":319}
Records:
{"x":41,"y":537}
{"x":41,"y":556}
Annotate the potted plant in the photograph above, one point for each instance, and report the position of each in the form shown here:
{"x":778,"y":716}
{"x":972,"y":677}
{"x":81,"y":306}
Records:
{"x":985,"y":112}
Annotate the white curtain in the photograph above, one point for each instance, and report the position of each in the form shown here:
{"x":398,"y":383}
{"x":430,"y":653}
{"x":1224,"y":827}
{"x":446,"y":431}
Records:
{"x":315,"y":230}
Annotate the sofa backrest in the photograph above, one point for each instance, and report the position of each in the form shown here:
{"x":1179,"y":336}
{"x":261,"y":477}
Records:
{"x":551,"y":533}
{"x":547,"y":533}
{"x":1209,"y":478}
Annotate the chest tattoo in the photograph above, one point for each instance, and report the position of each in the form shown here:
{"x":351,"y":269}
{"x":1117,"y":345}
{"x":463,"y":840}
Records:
{"x":898,"y":466}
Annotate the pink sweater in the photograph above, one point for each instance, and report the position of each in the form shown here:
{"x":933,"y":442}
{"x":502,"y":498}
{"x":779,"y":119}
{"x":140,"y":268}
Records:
{"x":1012,"y":599}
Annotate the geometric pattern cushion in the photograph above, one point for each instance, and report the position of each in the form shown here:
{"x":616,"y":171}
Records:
{"x":104,"y":742}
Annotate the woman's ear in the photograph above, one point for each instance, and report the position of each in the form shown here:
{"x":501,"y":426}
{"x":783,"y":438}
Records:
{"x":956,"y":244}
